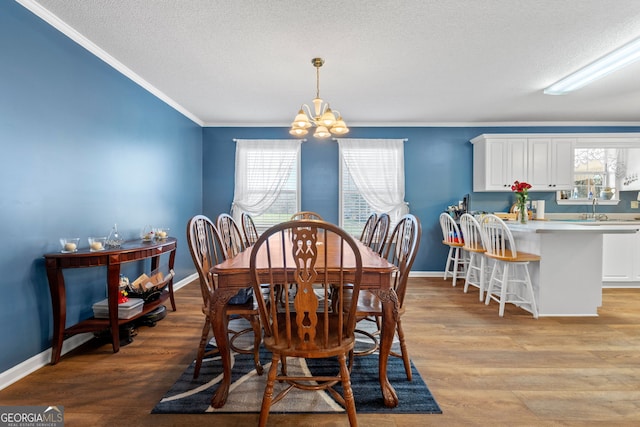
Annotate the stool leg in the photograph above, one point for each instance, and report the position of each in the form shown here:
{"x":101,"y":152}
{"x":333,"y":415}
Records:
{"x":482,"y":267}
{"x":534,"y":307}
{"x":503,"y":290}
{"x":446,"y":266}
{"x":456,"y":258}
{"x":491,"y":281}
{"x":469,"y":272}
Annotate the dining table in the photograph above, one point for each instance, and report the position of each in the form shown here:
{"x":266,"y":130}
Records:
{"x":234,"y":274}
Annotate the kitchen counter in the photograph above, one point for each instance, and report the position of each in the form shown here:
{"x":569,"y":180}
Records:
{"x":568,"y":279}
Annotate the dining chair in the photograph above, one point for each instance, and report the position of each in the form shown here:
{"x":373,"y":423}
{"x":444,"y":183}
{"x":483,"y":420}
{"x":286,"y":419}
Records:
{"x":232,"y":238}
{"x":367,"y":231}
{"x":505,"y":285}
{"x":401,"y":251}
{"x":453,"y":238}
{"x":306,"y":327}
{"x":250,"y":232}
{"x":380,"y":233}
{"x":305,"y":215}
{"x":206,"y":251}
{"x":477,"y":266}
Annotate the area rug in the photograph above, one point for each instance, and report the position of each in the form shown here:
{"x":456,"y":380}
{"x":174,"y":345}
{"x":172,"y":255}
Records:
{"x":189,"y":396}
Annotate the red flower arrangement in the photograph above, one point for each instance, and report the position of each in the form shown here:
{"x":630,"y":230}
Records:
{"x":522,"y":193}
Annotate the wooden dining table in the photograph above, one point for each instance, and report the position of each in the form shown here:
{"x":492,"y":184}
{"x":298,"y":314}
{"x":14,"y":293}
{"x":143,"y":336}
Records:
{"x":234,"y":274}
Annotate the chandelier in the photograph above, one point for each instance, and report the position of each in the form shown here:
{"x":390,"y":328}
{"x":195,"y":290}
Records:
{"x":326,"y":120}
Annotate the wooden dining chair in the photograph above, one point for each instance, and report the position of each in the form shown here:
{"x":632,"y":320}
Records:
{"x":206,"y":251}
{"x":505,"y":284}
{"x":401,"y":251}
{"x":307,"y":327}
{"x":250,"y":232}
{"x":452,"y":237}
{"x":380,"y":233}
{"x":232,"y":238}
{"x":305,"y":215}
{"x":367,"y":231}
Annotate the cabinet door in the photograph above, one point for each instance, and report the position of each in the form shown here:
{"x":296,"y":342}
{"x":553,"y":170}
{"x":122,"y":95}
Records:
{"x":540,"y":164}
{"x":562,"y":158}
{"x":550,"y":163}
{"x":498,"y":162}
{"x":618,"y":252}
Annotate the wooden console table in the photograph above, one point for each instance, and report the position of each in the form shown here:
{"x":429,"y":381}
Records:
{"x":111,"y":258}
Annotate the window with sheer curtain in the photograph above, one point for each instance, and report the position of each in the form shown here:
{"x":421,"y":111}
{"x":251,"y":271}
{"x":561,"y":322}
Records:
{"x":371,"y":180}
{"x":266,"y":180}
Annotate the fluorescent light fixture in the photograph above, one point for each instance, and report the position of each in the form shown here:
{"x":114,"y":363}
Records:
{"x":615,"y":60}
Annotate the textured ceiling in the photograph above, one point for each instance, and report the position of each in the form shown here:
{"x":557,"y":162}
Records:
{"x":403,"y":62}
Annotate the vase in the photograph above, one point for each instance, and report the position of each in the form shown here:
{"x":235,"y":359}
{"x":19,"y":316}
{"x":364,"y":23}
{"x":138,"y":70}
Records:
{"x":522,"y":211}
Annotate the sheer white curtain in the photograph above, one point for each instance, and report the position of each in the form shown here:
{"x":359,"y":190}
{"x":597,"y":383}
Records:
{"x":377,"y":169}
{"x":262,"y":168}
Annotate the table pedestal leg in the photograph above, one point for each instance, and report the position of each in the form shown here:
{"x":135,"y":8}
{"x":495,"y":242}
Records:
{"x":218,"y":318}
{"x":390,"y":305}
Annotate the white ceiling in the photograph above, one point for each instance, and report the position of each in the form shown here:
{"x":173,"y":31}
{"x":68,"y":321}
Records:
{"x":403,"y":62}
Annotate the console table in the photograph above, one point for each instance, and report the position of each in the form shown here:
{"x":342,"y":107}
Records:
{"x":111,"y":258}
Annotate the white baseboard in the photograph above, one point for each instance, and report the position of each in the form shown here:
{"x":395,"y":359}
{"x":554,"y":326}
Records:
{"x":426,"y":274}
{"x":42,"y":359}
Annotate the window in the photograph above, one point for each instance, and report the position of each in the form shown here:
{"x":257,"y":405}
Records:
{"x":598,"y":173}
{"x":267,"y":181}
{"x":371,"y":180}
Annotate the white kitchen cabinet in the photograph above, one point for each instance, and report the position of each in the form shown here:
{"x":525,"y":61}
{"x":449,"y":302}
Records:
{"x":621,"y":258}
{"x":550,"y":162}
{"x":498,"y":162}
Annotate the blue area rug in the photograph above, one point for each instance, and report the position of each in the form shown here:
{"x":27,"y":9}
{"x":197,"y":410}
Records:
{"x":189,"y":396}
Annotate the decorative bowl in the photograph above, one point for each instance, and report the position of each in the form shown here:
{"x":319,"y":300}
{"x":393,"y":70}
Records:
{"x":69,"y":244}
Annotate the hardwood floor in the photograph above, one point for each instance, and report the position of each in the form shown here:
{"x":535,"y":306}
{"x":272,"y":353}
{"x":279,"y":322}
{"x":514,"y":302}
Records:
{"x":482,"y":369}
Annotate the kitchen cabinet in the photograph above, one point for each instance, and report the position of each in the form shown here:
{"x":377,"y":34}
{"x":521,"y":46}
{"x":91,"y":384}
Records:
{"x":543,"y":160}
{"x":620,"y":259}
{"x":550,"y":163}
{"x":498,"y":162}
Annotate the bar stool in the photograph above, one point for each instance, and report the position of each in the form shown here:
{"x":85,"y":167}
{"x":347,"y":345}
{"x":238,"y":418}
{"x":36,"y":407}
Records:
{"x":477,"y":268}
{"x":452,"y":237}
{"x":505,"y":286}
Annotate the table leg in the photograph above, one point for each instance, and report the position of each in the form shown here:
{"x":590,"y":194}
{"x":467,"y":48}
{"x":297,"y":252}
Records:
{"x":113,"y":290}
{"x":390,"y":306}
{"x":218,"y":319}
{"x":59,"y":307}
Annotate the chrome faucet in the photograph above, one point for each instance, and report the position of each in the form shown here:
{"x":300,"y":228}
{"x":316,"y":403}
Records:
{"x":594,"y":203}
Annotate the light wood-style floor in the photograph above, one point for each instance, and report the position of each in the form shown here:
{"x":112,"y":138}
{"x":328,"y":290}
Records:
{"x":482,"y":369}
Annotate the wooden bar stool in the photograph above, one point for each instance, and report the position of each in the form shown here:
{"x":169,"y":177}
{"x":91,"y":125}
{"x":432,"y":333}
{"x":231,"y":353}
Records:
{"x":452,"y":237}
{"x":505,"y":286}
{"x":477,"y":268}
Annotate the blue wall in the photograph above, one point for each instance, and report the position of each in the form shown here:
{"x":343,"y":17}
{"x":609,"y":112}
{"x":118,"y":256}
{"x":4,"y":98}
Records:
{"x":82,"y":148}
{"x":438,"y":173}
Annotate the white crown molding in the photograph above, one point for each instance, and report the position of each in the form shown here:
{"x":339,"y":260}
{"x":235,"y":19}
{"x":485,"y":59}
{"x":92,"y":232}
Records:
{"x":61,"y":26}
{"x":437,"y":124}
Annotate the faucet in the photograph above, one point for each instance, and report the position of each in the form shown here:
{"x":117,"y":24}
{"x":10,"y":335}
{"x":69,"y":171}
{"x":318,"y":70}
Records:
{"x":594,"y":203}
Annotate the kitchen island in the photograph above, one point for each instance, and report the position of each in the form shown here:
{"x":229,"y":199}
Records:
{"x":568,"y":279}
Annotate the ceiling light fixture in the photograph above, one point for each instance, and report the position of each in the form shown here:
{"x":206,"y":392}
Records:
{"x":326,"y":120}
{"x":615,"y":60}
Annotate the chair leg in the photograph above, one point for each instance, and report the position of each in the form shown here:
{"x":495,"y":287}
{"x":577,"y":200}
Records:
{"x":456,"y":260}
{"x":469,"y":272}
{"x":491,"y":281}
{"x":267,"y":397}
{"x":503,"y":289}
{"x":349,"y":402}
{"x":201,"y":348}
{"x":446,"y":266}
{"x":534,"y":307}
{"x":482,"y":278}
{"x":404,"y":351}
{"x":257,"y":339}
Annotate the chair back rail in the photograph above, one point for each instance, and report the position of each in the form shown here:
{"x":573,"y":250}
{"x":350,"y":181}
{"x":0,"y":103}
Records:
{"x":249,"y":228}
{"x":367,"y":231}
{"x":380,"y":233}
